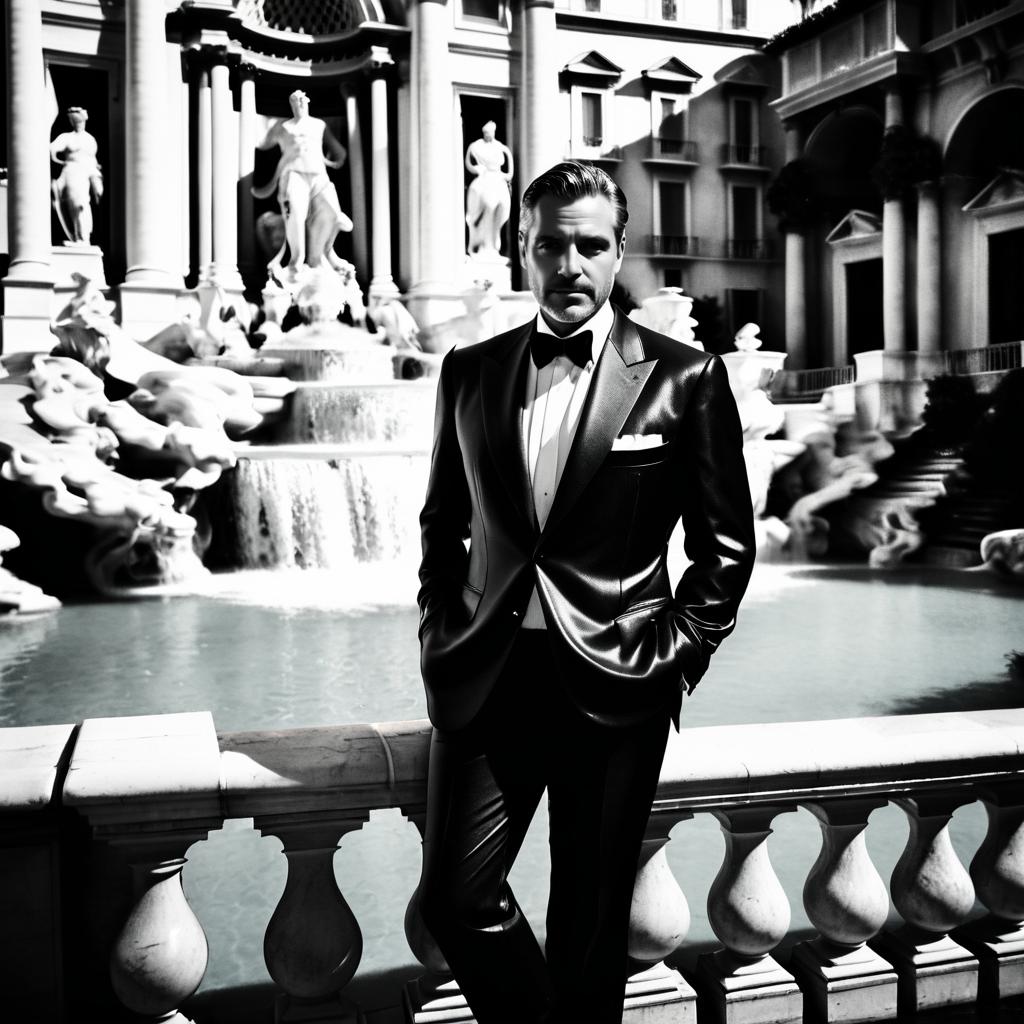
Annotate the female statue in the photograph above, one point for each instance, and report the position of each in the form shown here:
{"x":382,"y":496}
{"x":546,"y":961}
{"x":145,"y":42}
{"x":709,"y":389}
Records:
{"x":488,"y":199}
{"x":80,"y":181}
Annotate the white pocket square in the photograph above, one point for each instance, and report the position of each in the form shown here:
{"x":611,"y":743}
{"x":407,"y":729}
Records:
{"x":635,"y":442}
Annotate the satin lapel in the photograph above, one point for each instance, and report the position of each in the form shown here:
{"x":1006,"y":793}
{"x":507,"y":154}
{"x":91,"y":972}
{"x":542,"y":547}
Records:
{"x":502,"y":393}
{"x":619,"y":378}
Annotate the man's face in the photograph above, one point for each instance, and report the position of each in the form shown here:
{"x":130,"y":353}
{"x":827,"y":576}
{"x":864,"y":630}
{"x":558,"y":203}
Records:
{"x":571,"y":258}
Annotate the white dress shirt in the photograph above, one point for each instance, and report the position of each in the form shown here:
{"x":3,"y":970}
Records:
{"x":555,"y":395}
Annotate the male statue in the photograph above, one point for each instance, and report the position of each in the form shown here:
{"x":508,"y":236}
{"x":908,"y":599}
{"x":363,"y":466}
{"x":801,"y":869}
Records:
{"x":308,"y":199}
{"x":80,"y":182}
{"x":488,"y":201}
{"x":554,"y":649}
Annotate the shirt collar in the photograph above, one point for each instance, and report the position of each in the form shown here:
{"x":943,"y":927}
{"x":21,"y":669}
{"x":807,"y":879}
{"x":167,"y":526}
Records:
{"x":600,"y":323}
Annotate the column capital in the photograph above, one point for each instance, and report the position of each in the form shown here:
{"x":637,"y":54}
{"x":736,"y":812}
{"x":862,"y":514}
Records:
{"x":379,"y":59}
{"x":204,"y":56}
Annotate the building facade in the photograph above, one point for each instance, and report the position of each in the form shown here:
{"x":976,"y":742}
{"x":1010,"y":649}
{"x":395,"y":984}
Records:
{"x":671,"y":97}
{"x":904,"y":125}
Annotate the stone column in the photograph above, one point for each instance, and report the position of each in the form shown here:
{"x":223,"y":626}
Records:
{"x":224,"y":270}
{"x":541,"y":145}
{"x":382,"y":284}
{"x":894,"y":250}
{"x":149,"y":294}
{"x":204,"y":174}
{"x":357,"y":183}
{"x":929,"y":268}
{"x":796,"y":273}
{"x":28,"y":286}
{"x":246,"y":166}
{"x":437,"y":219}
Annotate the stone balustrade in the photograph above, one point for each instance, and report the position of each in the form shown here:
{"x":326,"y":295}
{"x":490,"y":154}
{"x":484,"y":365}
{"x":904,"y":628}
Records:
{"x":134,"y":794}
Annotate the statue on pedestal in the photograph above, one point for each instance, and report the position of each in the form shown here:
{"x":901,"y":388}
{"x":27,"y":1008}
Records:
{"x":309,"y":202}
{"x":80,"y":182}
{"x":488,"y":198}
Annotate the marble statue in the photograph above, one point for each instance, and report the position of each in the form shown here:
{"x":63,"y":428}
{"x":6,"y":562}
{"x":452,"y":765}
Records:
{"x":668,"y":312}
{"x":488,"y":198}
{"x":309,"y":203}
{"x":16,"y":596}
{"x":80,"y":182}
{"x":1003,"y":552}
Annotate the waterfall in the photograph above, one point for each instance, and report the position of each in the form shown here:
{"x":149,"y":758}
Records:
{"x":314,"y":509}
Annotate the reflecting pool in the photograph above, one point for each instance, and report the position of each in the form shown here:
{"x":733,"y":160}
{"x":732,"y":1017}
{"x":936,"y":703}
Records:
{"x":284,"y":650}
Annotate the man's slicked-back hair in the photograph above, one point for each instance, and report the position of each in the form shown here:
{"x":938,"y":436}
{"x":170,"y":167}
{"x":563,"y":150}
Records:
{"x":569,"y":181}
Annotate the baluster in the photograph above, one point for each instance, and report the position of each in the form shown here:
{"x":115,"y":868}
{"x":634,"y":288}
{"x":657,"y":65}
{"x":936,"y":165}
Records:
{"x":845,"y":898}
{"x":435,"y":992}
{"x":998,"y":873}
{"x":933,"y":893}
{"x":658,"y":923}
{"x":150,"y":786}
{"x":313,"y":944}
{"x":749,"y":912}
{"x":159,"y":958}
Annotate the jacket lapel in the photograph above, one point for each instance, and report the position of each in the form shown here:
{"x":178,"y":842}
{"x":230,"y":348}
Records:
{"x":619,"y":377}
{"x":502,"y":393}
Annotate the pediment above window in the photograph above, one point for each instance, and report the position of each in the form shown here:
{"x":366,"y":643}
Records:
{"x":593,"y":69}
{"x":670,"y":75}
{"x":1005,"y":190}
{"x":856,"y":224}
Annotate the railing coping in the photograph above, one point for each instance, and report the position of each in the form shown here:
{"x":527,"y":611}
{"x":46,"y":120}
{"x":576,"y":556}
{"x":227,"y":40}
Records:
{"x":142,"y":769}
{"x":378,"y":765}
{"x":31,"y":761}
{"x":798,"y":761}
{"x":144,"y":765}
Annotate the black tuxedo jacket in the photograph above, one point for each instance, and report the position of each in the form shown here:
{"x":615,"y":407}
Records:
{"x":624,"y":643}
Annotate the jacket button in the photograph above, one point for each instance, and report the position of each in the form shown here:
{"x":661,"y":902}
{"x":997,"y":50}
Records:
{"x":515,"y":615}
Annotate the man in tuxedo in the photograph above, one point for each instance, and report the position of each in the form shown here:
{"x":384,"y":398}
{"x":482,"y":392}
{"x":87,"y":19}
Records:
{"x":554,"y":651}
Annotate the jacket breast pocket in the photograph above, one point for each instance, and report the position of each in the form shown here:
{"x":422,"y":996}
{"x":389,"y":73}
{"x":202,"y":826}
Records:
{"x":635,"y":458}
{"x":470,"y":600}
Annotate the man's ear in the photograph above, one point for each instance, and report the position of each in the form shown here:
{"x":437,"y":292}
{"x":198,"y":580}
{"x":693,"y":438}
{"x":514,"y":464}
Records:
{"x":622,"y":245}
{"x":522,"y":247}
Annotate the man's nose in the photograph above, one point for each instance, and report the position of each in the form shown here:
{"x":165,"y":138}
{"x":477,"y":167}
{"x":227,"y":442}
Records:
{"x":569,"y":265}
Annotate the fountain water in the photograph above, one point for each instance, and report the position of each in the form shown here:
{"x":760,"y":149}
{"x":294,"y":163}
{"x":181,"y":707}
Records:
{"x":342,"y":482}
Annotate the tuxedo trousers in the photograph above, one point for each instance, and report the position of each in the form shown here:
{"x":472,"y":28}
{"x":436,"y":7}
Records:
{"x":484,"y":785}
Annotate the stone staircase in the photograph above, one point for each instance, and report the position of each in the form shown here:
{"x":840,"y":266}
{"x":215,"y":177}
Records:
{"x":959,"y":520}
{"x":930,"y":485}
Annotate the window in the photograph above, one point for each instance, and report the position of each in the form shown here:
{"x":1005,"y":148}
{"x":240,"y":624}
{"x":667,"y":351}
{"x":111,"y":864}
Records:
{"x":745,"y":222}
{"x":744,"y":307}
{"x":483,"y":14}
{"x":673,"y":277}
{"x":668,"y":10}
{"x":744,"y":136}
{"x":739,"y":13}
{"x":672,"y":207}
{"x":593,"y":118}
{"x":593,"y":6}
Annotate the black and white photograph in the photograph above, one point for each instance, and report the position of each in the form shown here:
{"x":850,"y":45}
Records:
{"x":512,"y":511}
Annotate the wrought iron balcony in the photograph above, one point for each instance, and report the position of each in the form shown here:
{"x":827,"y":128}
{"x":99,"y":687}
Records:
{"x":748,"y":249}
{"x":683,"y":150}
{"x":746,"y":156}
{"x":675,"y":245}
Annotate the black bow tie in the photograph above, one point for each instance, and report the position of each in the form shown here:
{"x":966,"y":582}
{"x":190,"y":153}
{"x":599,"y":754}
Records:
{"x":545,"y":347}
